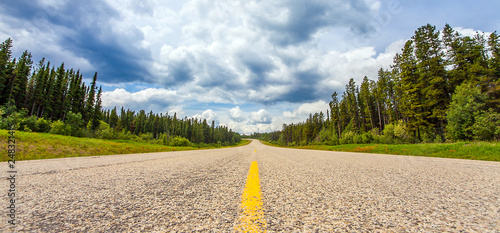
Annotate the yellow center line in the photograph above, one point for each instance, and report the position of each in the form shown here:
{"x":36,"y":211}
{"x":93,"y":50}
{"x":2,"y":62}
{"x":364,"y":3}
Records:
{"x":251,"y":218}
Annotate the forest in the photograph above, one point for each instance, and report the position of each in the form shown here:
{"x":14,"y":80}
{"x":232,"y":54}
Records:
{"x":47,"y":99}
{"x":441,"y":87}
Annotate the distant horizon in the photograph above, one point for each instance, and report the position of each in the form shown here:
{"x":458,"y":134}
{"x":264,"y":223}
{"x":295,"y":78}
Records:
{"x":251,"y":66}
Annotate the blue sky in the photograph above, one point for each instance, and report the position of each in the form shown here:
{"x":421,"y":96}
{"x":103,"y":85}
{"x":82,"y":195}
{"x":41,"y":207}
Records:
{"x":251,"y":65}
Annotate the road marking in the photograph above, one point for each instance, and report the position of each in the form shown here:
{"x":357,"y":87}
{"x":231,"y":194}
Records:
{"x":252,"y":216}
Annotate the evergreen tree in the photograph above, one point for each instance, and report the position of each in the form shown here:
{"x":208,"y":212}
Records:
{"x":5,"y":69}
{"x":97,"y":116}
{"x":335,"y":111}
{"x":113,"y":118}
{"x":20,"y":82}
{"x":494,"y":48}
{"x":48,"y":104}
{"x":35,"y":88}
{"x":493,"y":82}
{"x":352,"y":104}
{"x":59,"y":90}
{"x":89,"y":106}
{"x":409,"y":89}
{"x":365,"y":96}
{"x":432,"y":77}
{"x":461,"y":115}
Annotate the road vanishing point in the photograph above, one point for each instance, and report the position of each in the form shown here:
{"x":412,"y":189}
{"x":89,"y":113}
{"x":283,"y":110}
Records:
{"x":254,"y":188}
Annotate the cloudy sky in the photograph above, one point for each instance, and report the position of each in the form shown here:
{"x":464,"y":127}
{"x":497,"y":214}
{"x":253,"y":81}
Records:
{"x":249,"y":64}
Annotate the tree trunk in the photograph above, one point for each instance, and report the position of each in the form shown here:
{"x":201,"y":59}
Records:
{"x":379,"y":115}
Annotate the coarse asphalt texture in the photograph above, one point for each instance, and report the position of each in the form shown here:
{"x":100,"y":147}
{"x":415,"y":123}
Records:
{"x":302,"y":191}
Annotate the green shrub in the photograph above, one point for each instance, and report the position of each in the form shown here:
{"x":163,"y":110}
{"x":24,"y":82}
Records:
{"x":358,"y":139}
{"x":367,"y":138}
{"x":428,"y":137}
{"x":75,"y":121}
{"x":109,"y":134}
{"x":43,"y":125}
{"x":180,"y":141}
{"x":376,"y":136}
{"x":347,"y":137}
{"x":29,"y":124}
{"x":146,"y":137}
{"x":487,"y":126}
{"x":58,"y":127}
{"x":388,"y":134}
{"x":9,"y":117}
{"x":466,"y":102}
{"x":401,"y":131}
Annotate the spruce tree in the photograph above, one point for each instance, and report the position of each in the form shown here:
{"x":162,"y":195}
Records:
{"x":335,"y":112}
{"x":5,"y":69}
{"x":48,"y":95}
{"x":432,"y":76}
{"x":20,"y":82}
{"x":59,"y":89}
{"x":113,"y":118}
{"x":96,"y":115}
{"x":89,"y":105}
{"x":493,"y":88}
{"x":408,"y":89}
{"x":366,"y":98}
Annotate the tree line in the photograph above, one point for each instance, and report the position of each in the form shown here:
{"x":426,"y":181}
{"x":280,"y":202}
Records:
{"x":442,"y":86}
{"x":46,"y":92}
{"x":165,"y":127}
{"x":44,"y":98}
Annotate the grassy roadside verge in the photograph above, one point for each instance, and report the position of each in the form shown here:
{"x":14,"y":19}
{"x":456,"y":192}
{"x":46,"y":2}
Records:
{"x":30,"y":146}
{"x":488,"y":151}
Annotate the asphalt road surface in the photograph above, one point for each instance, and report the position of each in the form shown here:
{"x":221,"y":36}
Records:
{"x":302,"y":191}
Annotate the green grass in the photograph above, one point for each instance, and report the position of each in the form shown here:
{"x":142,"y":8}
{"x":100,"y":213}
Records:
{"x":489,"y":151}
{"x":243,"y":142}
{"x":31,"y":146}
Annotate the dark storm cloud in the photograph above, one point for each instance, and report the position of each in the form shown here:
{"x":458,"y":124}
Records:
{"x":305,"y":18}
{"x":257,"y":65}
{"x":84,"y":29}
{"x":219,"y":76}
{"x":305,"y":88}
{"x":27,"y":10}
{"x":179,"y":72}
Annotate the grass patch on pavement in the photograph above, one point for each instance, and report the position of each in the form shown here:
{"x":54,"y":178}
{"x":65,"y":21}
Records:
{"x":489,"y":151}
{"x":30,"y":146}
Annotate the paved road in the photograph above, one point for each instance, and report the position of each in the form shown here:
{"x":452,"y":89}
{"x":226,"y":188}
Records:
{"x":302,"y":191}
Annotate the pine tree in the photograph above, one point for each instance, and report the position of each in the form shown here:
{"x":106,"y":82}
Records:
{"x":36,"y":85}
{"x":20,"y":82}
{"x":113,"y":118}
{"x":5,"y":69}
{"x":71,"y":93}
{"x":96,"y":116}
{"x":493,"y":83}
{"x":494,"y":48}
{"x":408,"y":89}
{"x":89,"y":105}
{"x":47,"y":107}
{"x":352,"y":101}
{"x":79,"y":101}
{"x":365,"y":96}
{"x":335,"y":112}
{"x":432,"y":76}
{"x":59,"y":90}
